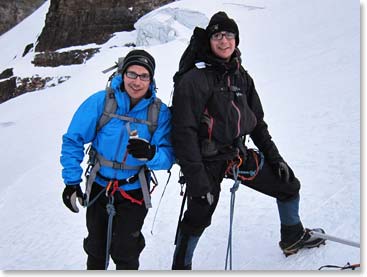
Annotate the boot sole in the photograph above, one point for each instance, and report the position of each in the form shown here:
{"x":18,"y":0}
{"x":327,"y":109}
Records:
{"x":289,"y":252}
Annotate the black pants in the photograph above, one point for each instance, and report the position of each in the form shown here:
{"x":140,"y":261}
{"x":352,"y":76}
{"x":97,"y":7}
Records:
{"x":199,"y":213}
{"x":127,"y":240}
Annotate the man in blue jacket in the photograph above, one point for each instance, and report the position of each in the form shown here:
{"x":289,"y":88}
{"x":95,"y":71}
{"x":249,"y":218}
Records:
{"x":124,"y":150}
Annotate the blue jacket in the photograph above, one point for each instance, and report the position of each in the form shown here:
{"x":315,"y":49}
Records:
{"x":111,"y":141}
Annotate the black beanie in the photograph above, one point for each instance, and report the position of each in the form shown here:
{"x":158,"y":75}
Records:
{"x":221,"y":22}
{"x":139,"y":57}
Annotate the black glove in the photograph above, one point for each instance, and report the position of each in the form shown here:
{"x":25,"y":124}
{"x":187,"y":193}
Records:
{"x":71,"y":192}
{"x":141,"y":149}
{"x":281,"y":169}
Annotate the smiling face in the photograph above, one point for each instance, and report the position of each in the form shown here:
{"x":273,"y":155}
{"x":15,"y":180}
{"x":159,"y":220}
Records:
{"x":136,"y":88}
{"x":223,"y":48}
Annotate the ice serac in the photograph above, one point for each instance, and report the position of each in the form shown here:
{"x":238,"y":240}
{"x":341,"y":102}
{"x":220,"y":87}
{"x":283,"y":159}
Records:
{"x":166,"y":24}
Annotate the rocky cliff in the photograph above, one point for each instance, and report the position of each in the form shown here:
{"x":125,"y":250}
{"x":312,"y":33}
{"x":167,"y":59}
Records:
{"x":14,"y":11}
{"x":70,"y":23}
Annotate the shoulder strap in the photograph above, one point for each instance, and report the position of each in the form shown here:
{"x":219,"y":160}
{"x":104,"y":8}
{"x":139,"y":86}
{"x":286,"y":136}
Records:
{"x":246,"y":78}
{"x":153,"y":114}
{"x":110,"y":107}
{"x":110,"y":112}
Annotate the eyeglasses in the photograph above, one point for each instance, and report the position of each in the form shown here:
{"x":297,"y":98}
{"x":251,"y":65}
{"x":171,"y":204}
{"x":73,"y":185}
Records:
{"x":134,"y":75}
{"x":219,"y":35}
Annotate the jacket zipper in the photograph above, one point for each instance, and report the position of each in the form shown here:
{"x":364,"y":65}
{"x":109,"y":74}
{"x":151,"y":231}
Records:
{"x":236,"y":108}
{"x":239,"y":118}
{"x":210,"y":124}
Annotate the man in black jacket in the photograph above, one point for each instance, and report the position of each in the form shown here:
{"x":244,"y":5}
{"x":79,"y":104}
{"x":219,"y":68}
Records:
{"x":215,"y":105}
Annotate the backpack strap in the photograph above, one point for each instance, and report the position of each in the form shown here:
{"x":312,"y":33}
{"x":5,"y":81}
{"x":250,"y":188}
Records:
{"x":96,"y":160}
{"x":110,"y":108}
{"x":144,"y":187}
{"x":153,"y":114}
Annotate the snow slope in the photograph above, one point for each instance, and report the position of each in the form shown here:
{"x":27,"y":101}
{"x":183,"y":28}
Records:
{"x":305,"y":59}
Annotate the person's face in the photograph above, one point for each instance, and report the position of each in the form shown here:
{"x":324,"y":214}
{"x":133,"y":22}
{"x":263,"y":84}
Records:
{"x":136,"y":81}
{"x":223,"y":44}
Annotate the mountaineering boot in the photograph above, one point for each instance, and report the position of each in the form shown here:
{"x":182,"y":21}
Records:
{"x":294,"y":237}
{"x":184,"y":251}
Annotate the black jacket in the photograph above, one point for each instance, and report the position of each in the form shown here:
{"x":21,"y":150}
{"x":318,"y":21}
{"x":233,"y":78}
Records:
{"x":212,"y":108}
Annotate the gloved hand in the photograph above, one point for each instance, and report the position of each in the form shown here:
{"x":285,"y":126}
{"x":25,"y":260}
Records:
{"x":281,"y":169}
{"x":209,"y":197}
{"x":71,"y":192}
{"x":141,"y":149}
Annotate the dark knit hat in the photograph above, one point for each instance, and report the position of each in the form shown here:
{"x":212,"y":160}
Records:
{"x":139,"y":57}
{"x":221,"y":22}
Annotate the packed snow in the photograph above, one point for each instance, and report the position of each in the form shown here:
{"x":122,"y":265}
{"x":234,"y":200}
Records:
{"x":305,"y":59}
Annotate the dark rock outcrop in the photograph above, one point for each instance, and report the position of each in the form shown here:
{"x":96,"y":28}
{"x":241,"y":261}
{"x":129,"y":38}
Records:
{"x":71,"y":23}
{"x":7,"y":89}
{"x":27,"y":49}
{"x":6,"y":73}
{"x":54,"y":59}
{"x":16,"y":86}
{"x":12,"y":12}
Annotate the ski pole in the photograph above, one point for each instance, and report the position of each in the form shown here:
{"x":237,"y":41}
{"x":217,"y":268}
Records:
{"x":159,"y":203}
{"x":332,"y":238}
{"x":180,"y":216}
{"x":231,"y":213}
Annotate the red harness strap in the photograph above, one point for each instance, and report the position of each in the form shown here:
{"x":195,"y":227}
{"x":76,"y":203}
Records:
{"x":123,"y":193}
